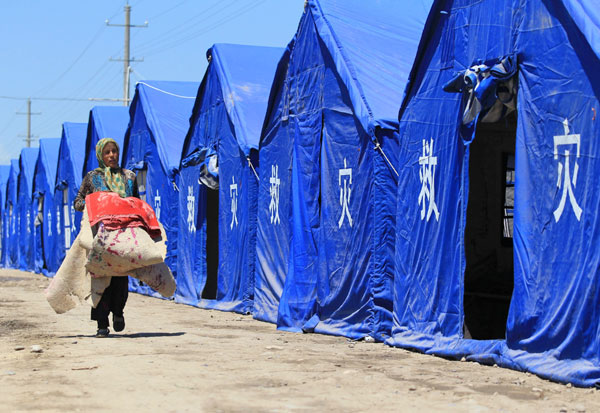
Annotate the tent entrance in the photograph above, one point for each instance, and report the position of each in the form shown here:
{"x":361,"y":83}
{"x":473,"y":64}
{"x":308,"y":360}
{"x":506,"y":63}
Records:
{"x":212,"y":244}
{"x":489,"y":271}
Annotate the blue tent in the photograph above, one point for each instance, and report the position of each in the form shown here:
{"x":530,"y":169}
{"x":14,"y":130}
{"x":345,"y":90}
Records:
{"x":69,"y":174}
{"x":4,"y":175}
{"x":496,"y":253}
{"x":27,"y":162}
{"x":326,"y":209}
{"x":217,"y":231}
{"x":104,"y":122}
{"x":44,"y":227}
{"x":159,"y":119}
{"x":11,"y":238}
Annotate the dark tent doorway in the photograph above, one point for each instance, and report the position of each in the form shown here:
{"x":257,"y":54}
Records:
{"x":489,"y":271}
{"x":212,"y":244}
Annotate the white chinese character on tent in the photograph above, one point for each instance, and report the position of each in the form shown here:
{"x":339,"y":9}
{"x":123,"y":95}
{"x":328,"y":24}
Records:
{"x":233,"y":193}
{"x":49,"y":224}
{"x":274,"y":192}
{"x":345,"y":191}
{"x":58,"y":220}
{"x":428,"y":163}
{"x":28,"y":222}
{"x":564,"y":173}
{"x":157,"y":205}
{"x":191,"y":207}
{"x":72,"y":220}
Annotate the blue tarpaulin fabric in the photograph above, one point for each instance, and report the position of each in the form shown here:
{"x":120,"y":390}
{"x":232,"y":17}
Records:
{"x":553,"y":324}
{"x":226,"y":121}
{"x":104,"y":122}
{"x":159,"y":119}
{"x":11,"y":258}
{"x":586,"y":16}
{"x":27,"y":162}
{"x":326,"y":260}
{"x":69,"y":174}
{"x":4,"y":175}
{"x":44,"y":227}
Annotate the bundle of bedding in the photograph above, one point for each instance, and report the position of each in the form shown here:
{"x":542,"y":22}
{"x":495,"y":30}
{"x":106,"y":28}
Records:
{"x":118,"y":237}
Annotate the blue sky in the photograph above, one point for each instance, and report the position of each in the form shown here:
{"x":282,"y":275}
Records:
{"x":62,"y":49}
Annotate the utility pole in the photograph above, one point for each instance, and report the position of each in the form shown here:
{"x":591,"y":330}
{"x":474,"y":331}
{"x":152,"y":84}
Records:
{"x":126,"y":59}
{"x":28,"y":137}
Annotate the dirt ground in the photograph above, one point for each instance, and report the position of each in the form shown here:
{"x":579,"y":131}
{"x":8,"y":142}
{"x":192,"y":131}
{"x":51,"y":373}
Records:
{"x":177,"y":358}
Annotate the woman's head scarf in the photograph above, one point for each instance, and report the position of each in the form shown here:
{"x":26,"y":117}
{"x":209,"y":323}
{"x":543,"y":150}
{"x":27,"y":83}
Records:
{"x":113,"y":177}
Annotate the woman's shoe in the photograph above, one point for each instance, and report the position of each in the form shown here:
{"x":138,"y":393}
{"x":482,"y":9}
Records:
{"x":118,"y":322}
{"x":102,"y":332}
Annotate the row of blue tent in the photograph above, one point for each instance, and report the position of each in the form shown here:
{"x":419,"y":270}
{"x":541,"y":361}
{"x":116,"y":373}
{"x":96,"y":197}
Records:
{"x":422,"y":174}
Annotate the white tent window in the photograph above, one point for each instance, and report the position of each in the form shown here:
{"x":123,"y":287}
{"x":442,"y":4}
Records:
{"x":66,"y":218}
{"x":141,"y":182}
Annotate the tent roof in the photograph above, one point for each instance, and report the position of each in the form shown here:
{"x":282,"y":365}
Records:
{"x":48,"y":157}
{"x":108,"y":122}
{"x":74,"y":135}
{"x":167,"y":106}
{"x":27,"y":162}
{"x":586,"y":15}
{"x":373,"y":45}
{"x":246,"y":74}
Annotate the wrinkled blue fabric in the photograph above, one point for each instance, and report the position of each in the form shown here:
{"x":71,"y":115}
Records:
{"x":69,"y":175}
{"x":326,"y":265}
{"x":553,"y":325}
{"x":225,"y":124}
{"x":159,"y":118}
{"x":4,"y":176}
{"x":10,"y":253}
{"x":44,"y":232}
{"x":26,"y":213}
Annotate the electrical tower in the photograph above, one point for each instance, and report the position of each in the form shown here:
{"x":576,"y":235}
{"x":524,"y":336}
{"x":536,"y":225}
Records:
{"x":126,"y":59}
{"x":28,"y":137}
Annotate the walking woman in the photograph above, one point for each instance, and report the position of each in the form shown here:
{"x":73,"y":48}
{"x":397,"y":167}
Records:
{"x":109,"y":177}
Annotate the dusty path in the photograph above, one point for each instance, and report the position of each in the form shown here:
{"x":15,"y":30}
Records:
{"x":176,"y":358}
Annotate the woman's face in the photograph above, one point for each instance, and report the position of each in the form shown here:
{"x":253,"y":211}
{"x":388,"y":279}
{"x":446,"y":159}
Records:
{"x":110,"y":155}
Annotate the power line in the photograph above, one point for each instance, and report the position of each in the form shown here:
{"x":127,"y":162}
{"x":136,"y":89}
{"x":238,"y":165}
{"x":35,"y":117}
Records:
{"x":167,"y":10}
{"x":46,"y":98}
{"x":183,"y":26}
{"x":204,"y":30}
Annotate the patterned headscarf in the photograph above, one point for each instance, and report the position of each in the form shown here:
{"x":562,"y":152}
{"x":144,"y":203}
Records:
{"x":113,"y":177}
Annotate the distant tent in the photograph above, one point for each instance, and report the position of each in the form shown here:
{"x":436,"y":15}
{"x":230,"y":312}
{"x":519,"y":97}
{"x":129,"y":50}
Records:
{"x":4,"y":175}
{"x":104,"y":122}
{"x":159,"y":119}
{"x":44,"y":222}
{"x":216,"y":254}
{"x":25,"y":238}
{"x":326,"y":210}
{"x":11,"y":236}
{"x":497,"y":220}
{"x":69,"y":174}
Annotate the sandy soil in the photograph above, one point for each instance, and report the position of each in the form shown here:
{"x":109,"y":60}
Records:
{"x":176,"y":358}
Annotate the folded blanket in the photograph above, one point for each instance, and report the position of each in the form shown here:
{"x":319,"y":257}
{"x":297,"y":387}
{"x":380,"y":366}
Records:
{"x":123,"y":250}
{"x":74,"y":284}
{"x":116,"y":212}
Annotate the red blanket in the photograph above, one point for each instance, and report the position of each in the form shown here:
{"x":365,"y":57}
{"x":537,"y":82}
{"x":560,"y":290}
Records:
{"x":117,"y":213}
